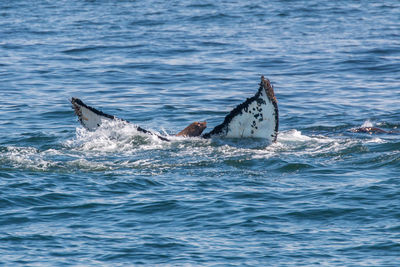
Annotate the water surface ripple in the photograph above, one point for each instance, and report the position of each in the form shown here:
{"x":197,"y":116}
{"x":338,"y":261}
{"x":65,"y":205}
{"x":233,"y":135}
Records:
{"x":321,"y":195}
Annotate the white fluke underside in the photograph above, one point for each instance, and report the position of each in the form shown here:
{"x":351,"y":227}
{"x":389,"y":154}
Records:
{"x":89,"y":117}
{"x":255,"y":121}
{"x":91,"y":120}
{"x":257,"y":117}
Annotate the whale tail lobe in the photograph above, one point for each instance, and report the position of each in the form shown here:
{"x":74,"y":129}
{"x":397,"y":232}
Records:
{"x":257,"y":117}
{"x":92,"y":118}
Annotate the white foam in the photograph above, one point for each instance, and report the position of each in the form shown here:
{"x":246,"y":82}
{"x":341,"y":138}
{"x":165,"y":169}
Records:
{"x":375,"y":140}
{"x":113,"y":136}
{"x":296,"y":136}
{"x":26,"y":157}
{"x":86,"y":164}
{"x":294,"y":143}
{"x":118,"y":146}
{"x":367,"y":123}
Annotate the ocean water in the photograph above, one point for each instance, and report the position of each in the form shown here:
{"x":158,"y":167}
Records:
{"x":321,"y":195}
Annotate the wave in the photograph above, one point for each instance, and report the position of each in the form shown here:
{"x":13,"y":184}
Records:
{"x":118,"y":146}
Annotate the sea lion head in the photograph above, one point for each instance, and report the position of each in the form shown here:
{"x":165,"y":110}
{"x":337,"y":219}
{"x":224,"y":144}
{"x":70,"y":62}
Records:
{"x":194,"y":129}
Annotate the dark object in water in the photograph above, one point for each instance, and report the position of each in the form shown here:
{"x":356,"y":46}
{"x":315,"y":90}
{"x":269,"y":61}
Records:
{"x":371,"y":130}
{"x":193,"y":130}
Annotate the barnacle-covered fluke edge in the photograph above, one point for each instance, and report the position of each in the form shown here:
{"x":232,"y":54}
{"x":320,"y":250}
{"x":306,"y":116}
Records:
{"x":257,"y":117}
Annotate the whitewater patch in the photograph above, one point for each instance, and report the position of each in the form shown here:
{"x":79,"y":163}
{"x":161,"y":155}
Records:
{"x":117,"y":145}
{"x":113,"y":136}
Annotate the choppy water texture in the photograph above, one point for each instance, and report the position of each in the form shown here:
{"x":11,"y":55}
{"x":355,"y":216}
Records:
{"x":321,"y":195}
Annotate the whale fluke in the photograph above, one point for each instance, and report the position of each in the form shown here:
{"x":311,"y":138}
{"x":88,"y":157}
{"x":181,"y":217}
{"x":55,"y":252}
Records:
{"x":257,"y":117}
{"x":91,"y":118}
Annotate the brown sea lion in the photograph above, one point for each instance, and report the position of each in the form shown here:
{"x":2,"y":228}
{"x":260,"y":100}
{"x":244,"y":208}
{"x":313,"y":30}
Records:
{"x":371,"y":130}
{"x":194,"y":129}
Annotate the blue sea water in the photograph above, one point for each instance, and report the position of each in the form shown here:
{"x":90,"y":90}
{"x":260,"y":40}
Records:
{"x":321,"y":195}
